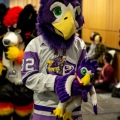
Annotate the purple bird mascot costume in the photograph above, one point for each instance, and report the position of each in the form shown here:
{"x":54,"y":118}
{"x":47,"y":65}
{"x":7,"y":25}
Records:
{"x":54,"y":64}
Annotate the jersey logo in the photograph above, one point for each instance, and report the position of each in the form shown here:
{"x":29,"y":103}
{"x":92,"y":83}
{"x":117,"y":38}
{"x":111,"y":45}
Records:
{"x":59,"y":66}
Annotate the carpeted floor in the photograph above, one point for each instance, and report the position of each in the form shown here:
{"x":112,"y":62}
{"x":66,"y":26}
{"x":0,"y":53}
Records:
{"x":108,"y":108}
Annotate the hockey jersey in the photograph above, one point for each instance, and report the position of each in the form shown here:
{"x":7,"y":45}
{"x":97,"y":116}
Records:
{"x":41,"y":66}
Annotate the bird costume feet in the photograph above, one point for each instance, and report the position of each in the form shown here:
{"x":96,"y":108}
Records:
{"x":67,"y":116}
{"x":58,"y":112}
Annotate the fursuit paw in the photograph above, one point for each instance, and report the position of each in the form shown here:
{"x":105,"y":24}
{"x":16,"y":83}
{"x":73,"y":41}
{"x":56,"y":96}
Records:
{"x":67,"y":116}
{"x":58,"y":112}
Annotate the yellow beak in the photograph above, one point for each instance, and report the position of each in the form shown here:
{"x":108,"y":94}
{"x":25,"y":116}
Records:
{"x":66,"y":27}
{"x":86,"y":79}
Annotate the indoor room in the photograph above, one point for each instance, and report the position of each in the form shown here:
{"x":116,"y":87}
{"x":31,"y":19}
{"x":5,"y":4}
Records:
{"x":59,"y":60}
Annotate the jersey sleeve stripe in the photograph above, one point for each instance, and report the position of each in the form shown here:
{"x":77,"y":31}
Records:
{"x":25,"y":78}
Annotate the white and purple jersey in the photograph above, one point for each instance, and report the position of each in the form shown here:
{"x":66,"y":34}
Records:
{"x":40,"y":68}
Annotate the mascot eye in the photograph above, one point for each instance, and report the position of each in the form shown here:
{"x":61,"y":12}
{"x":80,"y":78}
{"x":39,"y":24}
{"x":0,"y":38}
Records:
{"x":83,"y":71}
{"x":57,"y":11}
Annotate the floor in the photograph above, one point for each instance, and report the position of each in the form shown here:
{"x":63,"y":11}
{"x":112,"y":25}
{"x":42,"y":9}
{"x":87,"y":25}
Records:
{"x":108,"y":108}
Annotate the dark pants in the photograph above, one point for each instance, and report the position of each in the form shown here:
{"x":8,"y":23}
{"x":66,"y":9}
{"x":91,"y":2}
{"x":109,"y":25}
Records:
{"x":103,"y":87}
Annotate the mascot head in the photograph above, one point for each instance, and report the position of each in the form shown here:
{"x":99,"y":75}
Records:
{"x":10,"y":21}
{"x":86,"y":66}
{"x":58,"y":21}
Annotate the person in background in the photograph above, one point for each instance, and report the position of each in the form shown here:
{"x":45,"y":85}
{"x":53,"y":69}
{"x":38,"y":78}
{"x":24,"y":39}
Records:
{"x":97,"y":49}
{"x":106,"y":78}
{"x":91,"y":49}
